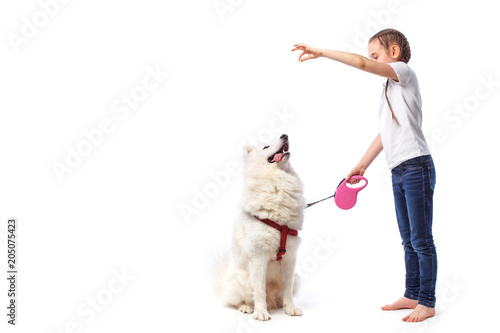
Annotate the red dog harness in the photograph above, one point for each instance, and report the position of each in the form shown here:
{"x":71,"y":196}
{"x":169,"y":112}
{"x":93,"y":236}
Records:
{"x":285,"y":231}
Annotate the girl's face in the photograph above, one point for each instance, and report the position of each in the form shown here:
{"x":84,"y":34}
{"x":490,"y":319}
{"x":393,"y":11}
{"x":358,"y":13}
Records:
{"x":379,"y":53}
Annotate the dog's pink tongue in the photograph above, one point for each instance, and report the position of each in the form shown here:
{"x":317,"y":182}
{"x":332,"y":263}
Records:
{"x":277,"y":157}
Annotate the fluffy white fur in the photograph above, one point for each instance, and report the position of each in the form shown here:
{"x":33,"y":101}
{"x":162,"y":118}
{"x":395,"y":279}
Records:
{"x":254,"y":282}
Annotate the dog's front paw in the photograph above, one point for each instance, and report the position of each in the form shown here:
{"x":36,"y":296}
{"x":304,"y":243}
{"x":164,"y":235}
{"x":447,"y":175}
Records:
{"x":262,"y":315}
{"x":293,"y":311}
{"x":245,"y":308}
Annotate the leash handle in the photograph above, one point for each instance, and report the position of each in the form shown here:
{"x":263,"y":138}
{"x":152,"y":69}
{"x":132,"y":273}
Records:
{"x":357,"y":189}
{"x":347,"y":196}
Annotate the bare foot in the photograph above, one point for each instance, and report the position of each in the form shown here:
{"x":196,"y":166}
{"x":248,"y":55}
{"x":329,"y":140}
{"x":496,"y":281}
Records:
{"x":420,"y":313}
{"x":402,"y":303}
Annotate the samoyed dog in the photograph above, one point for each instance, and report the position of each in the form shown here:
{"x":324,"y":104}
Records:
{"x":260,"y":274}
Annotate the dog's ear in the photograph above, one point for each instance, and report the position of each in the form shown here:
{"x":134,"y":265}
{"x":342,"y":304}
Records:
{"x":247,"y":149}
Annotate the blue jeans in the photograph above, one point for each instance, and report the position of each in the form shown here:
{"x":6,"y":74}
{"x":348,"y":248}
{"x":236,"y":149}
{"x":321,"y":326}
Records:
{"x":413,"y":184}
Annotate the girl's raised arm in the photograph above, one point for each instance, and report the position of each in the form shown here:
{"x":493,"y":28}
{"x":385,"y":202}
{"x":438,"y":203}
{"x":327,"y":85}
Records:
{"x":351,"y":59}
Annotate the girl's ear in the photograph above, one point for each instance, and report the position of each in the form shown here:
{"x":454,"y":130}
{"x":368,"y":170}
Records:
{"x":395,"y":51}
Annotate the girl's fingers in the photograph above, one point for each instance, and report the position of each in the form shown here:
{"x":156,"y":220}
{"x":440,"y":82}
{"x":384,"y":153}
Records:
{"x":351,"y":180}
{"x":299,"y":47}
{"x":307,"y":57}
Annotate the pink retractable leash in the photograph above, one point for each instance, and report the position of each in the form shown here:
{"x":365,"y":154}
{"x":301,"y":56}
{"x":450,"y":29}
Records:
{"x":345,"y":197}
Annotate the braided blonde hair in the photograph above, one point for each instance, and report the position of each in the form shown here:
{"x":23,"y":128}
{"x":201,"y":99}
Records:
{"x":387,"y":37}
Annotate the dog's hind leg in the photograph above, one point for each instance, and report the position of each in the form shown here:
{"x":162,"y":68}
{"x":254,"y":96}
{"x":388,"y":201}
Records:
{"x":234,"y":292}
{"x":258,"y":269}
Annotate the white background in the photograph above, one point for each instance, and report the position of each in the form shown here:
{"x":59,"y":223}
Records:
{"x":119,"y":211}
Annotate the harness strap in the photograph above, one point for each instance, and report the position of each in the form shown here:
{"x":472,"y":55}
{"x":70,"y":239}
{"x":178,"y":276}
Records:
{"x":285,"y":231}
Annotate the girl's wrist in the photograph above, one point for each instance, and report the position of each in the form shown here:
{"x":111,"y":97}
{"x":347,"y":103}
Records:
{"x":361,"y":168}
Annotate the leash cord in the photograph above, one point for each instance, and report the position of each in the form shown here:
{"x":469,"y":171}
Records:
{"x":331,"y":196}
{"x":313,"y":203}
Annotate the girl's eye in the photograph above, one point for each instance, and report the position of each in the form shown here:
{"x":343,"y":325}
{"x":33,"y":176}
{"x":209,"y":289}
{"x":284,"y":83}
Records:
{"x":265,"y":147}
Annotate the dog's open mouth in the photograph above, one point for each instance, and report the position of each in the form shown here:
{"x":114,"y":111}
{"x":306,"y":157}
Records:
{"x":276,"y":157}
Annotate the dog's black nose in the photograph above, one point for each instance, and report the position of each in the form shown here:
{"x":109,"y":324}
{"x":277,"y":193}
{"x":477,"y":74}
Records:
{"x":284,"y":137}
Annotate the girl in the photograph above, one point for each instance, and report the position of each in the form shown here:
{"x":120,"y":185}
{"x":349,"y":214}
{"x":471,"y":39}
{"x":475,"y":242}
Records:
{"x":408,"y":157}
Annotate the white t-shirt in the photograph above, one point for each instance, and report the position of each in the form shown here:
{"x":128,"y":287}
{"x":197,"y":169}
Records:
{"x":406,"y":140}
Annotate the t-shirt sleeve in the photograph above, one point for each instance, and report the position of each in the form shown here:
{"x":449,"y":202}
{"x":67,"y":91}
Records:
{"x":403,"y":72}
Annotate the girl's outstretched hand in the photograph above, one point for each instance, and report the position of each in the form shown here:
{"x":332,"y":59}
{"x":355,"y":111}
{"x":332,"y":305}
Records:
{"x":307,"y":52}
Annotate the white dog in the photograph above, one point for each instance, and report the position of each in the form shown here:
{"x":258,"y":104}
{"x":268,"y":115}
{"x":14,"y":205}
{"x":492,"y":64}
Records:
{"x":260,"y":276}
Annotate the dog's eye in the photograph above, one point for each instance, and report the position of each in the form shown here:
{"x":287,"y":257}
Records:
{"x":265,"y":147}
